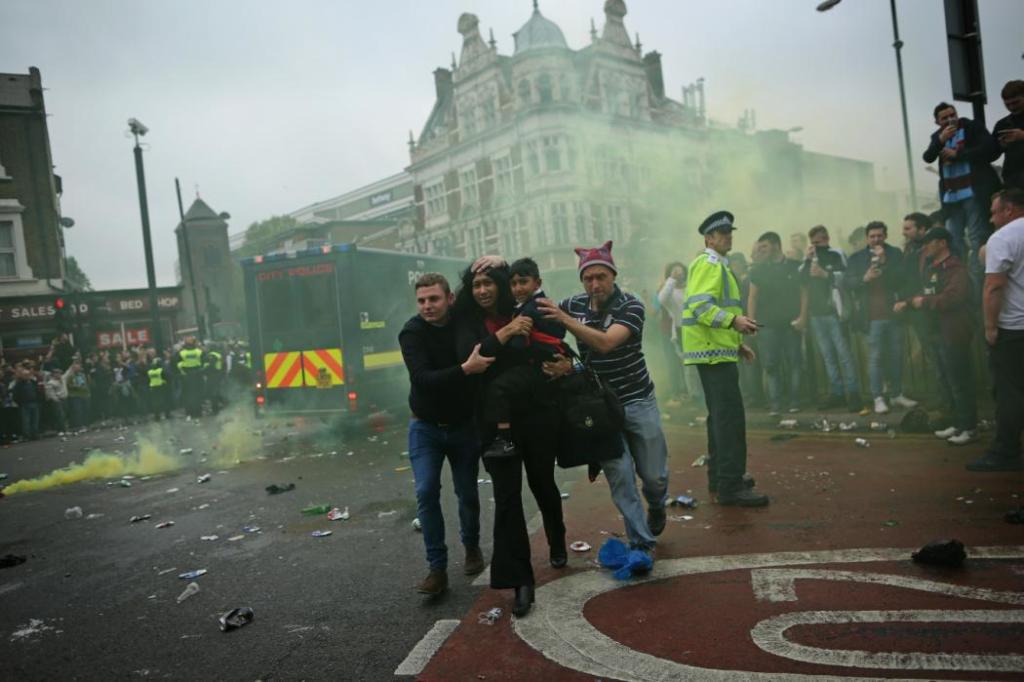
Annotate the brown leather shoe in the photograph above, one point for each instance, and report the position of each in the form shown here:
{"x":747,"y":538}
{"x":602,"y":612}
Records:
{"x":474,"y":561}
{"x":434,"y":584}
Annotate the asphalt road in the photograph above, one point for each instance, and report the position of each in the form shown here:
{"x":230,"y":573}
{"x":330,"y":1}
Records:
{"x":96,"y":598}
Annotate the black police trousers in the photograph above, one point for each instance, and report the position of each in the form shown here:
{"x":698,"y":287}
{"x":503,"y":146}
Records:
{"x":727,"y":426}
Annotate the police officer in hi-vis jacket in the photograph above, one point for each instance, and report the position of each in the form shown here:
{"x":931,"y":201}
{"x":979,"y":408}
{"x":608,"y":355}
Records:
{"x":713,"y":325}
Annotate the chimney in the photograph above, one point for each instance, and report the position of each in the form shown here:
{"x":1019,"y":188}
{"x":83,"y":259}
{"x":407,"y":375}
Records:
{"x":652,"y":63}
{"x":443,"y":83}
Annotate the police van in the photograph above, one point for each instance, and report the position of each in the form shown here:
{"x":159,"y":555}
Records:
{"x":324,"y":324}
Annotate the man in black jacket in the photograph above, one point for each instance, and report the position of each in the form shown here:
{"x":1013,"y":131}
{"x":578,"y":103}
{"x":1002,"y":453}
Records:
{"x":967,"y":181}
{"x":442,"y":399}
{"x":876,"y":276}
{"x":1009,"y":134}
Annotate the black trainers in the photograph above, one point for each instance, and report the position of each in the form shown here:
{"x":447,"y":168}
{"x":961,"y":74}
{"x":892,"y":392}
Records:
{"x":656,"y":519}
{"x":500,"y":447}
{"x":743,"y":497}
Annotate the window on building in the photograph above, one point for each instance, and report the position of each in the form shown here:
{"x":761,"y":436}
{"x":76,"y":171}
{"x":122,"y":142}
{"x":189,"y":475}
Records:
{"x":525,"y":96}
{"x":579,"y":213}
{"x":470,"y":190}
{"x":615,"y":223}
{"x":540,"y":228}
{"x":564,"y":89}
{"x":545,"y":89}
{"x":435,"y":198}
{"x":552,"y":154}
{"x":533,"y":157}
{"x":8,"y":265}
{"x":560,"y":222}
{"x":597,"y":221}
{"x":503,"y":174}
{"x":489,"y":112}
{"x":570,"y":149}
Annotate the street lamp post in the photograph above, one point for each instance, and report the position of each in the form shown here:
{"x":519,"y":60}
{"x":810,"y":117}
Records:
{"x":138,"y":130}
{"x":897,"y":46}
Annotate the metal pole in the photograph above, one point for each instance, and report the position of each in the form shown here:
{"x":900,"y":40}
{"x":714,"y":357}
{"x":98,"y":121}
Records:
{"x":147,"y":243}
{"x":200,"y":325}
{"x":898,"y":45}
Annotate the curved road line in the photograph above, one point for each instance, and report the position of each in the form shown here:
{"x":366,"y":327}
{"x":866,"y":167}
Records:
{"x":557,"y":629}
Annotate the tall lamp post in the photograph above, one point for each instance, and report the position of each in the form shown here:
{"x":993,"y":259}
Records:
{"x":138,"y":130}
{"x":897,"y":46}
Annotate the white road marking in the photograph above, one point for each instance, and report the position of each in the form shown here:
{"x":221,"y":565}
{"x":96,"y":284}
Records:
{"x":779,"y":584}
{"x":557,"y":628}
{"x":425,"y":649}
{"x":769,"y":635}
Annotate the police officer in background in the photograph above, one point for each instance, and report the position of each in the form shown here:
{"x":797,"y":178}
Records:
{"x":213,"y":365}
{"x":713,"y":325}
{"x":159,"y":390}
{"x":190,"y":368}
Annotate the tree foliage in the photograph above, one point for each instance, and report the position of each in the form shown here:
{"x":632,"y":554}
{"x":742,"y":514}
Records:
{"x":76,"y":277}
{"x":260,"y":232}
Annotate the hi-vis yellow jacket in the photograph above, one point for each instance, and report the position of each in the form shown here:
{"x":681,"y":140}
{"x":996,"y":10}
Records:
{"x":712,"y":303}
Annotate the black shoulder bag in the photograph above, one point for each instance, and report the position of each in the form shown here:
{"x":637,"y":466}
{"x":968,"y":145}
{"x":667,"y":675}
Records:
{"x":591,"y":418}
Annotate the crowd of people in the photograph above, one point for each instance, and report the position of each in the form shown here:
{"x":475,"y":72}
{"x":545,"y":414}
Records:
{"x":489,"y":370}
{"x":65,"y":390}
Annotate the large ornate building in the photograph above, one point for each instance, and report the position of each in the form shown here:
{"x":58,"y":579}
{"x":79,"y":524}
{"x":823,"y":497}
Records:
{"x":551,"y":147}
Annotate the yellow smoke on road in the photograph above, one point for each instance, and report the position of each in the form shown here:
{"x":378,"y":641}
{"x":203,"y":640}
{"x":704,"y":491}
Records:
{"x":147,"y":461}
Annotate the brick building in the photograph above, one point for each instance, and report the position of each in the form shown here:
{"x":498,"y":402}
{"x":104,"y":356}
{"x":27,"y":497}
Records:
{"x":31,"y":238}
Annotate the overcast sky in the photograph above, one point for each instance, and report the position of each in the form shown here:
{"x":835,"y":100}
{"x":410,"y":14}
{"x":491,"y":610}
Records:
{"x":267,"y":106}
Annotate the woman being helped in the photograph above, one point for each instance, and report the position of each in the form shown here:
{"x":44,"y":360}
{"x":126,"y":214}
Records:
{"x":483,"y":308}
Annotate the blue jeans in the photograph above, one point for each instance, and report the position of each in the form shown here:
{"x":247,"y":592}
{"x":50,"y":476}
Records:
{"x":646,"y":456}
{"x":885,"y":356}
{"x":967,"y":221}
{"x":835,"y":351}
{"x":782,"y":360}
{"x":429,"y":445}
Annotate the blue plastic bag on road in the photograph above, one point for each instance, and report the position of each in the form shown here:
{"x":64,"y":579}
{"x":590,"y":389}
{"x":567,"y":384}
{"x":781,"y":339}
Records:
{"x":627,"y":562}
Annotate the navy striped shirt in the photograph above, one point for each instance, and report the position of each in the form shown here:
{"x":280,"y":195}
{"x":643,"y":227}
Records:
{"x":624,"y":369}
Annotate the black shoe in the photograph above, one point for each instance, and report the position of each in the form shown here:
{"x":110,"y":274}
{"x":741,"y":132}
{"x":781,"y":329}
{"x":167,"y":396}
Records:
{"x":748,"y":482}
{"x":993,"y":462}
{"x":500,"y":448}
{"x":558,"y":556}
{"x":523,"y":600}
{"x":743,"y":497}
{"x":656,"y":519}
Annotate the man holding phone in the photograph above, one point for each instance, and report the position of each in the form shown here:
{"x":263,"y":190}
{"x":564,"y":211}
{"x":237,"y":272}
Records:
{"x":1009,"y":133}
{"x":965,"y":151}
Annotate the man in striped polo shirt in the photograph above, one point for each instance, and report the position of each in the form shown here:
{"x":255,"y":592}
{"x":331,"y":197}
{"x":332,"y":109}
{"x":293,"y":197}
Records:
{"x":608,"y":325}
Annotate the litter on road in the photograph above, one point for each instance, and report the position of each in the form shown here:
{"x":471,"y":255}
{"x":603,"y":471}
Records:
{"x":203,"y":479}
{"x":172,"y":490}
{"x":251,"y":529}
{"x":683,"y":501}
{"x":862,"y":443}
{"x":209,"y":538}
{"x":321,"y":533}
{"x":236,"y":618}
{"x":565,"y":496}
{"x":338,"y":515}
{"x":190,"y":589}
{"x":141,"y":517}
{"x":235,"y":538}
{"x":316,"y":509}
{"x":392,"y":512}
{"x":191,"y":575}
{"x":580,"y":546}
{"x":73,"y":513}
{"x":490,"y":617}
{"x":275,"y":489}
{"x":165,"y":524}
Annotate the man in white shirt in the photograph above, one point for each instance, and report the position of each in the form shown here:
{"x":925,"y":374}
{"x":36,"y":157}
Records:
{"x":1003,"y":305}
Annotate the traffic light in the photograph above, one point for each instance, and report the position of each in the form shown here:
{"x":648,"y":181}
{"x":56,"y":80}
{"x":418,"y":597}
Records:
{"x":60,"y":314}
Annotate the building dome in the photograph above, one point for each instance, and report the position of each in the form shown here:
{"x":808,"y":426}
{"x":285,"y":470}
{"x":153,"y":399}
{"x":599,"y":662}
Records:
{"x":538,"y":34}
